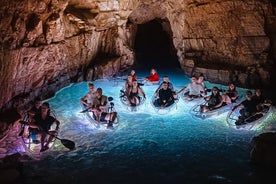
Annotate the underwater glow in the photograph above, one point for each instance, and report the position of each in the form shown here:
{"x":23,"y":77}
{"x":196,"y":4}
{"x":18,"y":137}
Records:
{"x":146,"y":145}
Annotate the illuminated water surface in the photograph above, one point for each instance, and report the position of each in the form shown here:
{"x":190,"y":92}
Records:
{"x":146,"y":146}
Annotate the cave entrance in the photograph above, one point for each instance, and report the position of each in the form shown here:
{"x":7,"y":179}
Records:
{"x":154,"y":47}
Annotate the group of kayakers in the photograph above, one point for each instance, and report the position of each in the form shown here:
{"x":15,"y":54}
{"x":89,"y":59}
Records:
{"x":96,"y":102}
{"x":166,"y":95}
{"x":40,"y":120}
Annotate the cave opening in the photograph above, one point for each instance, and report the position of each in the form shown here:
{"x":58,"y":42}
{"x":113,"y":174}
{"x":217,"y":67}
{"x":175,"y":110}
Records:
{"x":154,"y":47}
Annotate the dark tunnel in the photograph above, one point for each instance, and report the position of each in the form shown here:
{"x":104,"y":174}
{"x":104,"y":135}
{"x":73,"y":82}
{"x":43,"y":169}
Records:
{"x":153,"y":47}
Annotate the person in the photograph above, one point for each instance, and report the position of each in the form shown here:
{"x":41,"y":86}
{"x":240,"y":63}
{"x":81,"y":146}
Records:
{"x":33,"y":130}
{"x":128,"y":83}
{"x":43,"y":122}
{"x":153,"y":77}
{"x":165,"y":96}
{"x":36,"y":108}
{"x":200,"y":81}
{"x":170,"y":85}
{"x":195,"y":89}
{"x":214,"y":101}
{"x":100,"y":100}
{"x":231,"y":93}
{"x":260,"y":100}
{"x":134,"y":92}
{"x":89,"y":97}
{"x":133,"y":74}
{"x":248,"y":108}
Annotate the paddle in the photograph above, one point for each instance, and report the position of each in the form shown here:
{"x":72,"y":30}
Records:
{"x":67,"y":143}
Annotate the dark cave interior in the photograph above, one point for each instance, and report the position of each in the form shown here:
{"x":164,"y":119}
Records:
{"x":153,"y":47}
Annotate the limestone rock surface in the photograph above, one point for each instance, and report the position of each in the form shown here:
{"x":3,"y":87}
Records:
{"x":47,"y":44}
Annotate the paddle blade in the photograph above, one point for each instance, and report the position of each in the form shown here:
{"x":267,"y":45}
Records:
{"x":68,"y":144}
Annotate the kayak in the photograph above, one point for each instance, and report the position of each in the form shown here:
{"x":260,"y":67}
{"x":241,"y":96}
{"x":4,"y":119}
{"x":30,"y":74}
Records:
{"x":249,"y":123}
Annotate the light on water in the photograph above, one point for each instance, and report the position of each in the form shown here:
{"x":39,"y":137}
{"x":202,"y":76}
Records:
{"x":146,"y":146}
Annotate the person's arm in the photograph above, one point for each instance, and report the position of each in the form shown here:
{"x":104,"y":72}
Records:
{"x":171,"y":87}
{"x":96,"y":113}
{"x":237,"y":106}
{"x":157,"y":90}
{"x":33,"y":125}
{"x":126,"y":85}
{"x":103,"y":105}
{"x":156,"y":77}
{"x":235,"y":96}
{"x":141,"y":91}
{"x":150,"y":78}
{"x":183,"y":89}
{"x":171,"y":94}
{"x":207,"y":98}
{"x":83,"y":100}
{"x":201,"y":89}
{"x":57,"y":124}
{"x":267,"y":102}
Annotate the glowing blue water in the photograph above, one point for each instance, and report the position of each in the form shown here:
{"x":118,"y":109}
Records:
{"x":146,"y":147}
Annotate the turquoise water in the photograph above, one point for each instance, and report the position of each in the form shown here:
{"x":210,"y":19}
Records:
{"x":146,"y":147}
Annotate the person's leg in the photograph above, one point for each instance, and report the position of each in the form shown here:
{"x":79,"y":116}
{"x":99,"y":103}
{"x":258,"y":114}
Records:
{"x":226,"y":99}
{"x":201,"y":108}
{"x":113,"y":116}
{"x":188,"y":97}
{"x":133,"y":101}
{"x":241,"y":118}
{"x":104,"y":117}
{"x":50,"y":138}
{"x":136,"y":100}
{"x":205,"y":108}
{"x":42,"y":141}
{"x":156,"y":103}
{"x":33,"y":135}
{"x":169,"y":103}
{"x":242,"y":113}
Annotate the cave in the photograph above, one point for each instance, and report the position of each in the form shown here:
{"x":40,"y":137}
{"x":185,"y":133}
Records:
{"x":54,"y":49}
{"x":154,"y":47}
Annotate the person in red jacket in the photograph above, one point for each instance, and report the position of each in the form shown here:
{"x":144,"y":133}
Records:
{"x":153,"y":77}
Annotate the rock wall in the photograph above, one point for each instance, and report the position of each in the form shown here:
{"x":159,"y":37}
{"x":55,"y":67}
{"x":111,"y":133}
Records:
{"x":263,"y":150}
{"x":231,"y":38}
{"x":47,"y":44}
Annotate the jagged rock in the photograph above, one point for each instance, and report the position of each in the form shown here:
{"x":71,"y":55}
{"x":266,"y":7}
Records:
{"x":264,"y":150}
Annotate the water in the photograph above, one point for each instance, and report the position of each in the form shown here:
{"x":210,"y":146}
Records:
{"x":146,"y":147}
